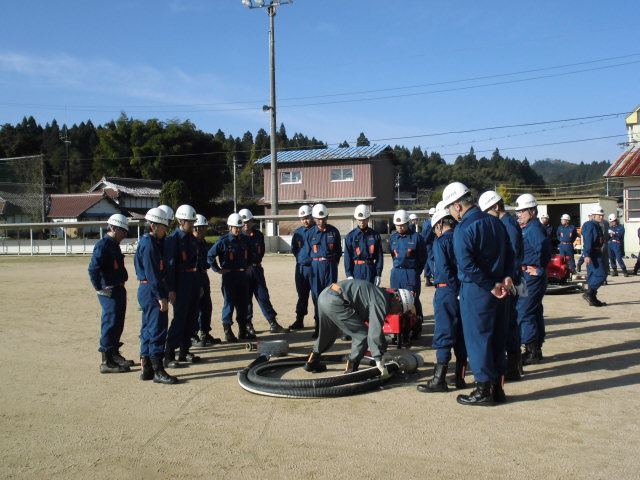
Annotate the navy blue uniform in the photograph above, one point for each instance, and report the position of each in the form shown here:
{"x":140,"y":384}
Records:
{"x":537,"y":253}
{"x":183,"y":277}
{"x":107,"y":269}
{"x":232,"y":253}
{"x":548,"y":229}
{"x":149,"y":265}
{"x":303,"y":270}
{"x":483,"y":257}
{"x":428,"y":237}
{"x":616,"y":246}
{"x":258,"y":283}
{"x":363,"y":258}
{"x":205,"y":308}
{"x":515,"y":240}
{"x":566,"y":235}
{"x":592,"y":242}
{"x":325,"y":250}
{"x":447,"y":332}
{"x":409,"y":257}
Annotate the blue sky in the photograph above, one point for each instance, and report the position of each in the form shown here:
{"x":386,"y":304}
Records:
{"x":390,"y":69}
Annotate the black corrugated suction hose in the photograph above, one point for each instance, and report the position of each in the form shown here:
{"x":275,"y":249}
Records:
{"x":251,"y":380}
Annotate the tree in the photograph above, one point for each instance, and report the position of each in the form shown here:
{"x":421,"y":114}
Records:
{"x":344,"y":144}
{"x":362,"y":141}
{"x":174,"y":193}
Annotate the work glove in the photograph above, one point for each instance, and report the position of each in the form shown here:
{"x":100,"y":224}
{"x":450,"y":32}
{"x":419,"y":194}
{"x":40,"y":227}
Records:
{"x":376,"y":281}
{"x":349,"y":278}
{"x":106,"y":291}
{"x":384,"y":373}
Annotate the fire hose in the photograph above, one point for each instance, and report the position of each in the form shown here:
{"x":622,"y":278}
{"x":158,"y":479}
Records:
{"x":252,"y":379}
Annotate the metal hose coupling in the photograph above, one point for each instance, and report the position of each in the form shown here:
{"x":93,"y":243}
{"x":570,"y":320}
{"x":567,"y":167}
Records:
{"x":407,"y":362}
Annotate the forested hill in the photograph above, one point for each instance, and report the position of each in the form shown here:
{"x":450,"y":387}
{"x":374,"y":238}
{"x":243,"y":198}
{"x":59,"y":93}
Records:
{"x":560,"y":171}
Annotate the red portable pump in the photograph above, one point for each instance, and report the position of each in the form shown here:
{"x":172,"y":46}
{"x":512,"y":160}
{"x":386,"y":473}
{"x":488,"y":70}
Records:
{"x":399,"y":326}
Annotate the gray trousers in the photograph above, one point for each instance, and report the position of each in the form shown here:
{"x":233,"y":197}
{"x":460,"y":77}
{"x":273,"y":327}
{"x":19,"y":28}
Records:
{"x":336,"y":317}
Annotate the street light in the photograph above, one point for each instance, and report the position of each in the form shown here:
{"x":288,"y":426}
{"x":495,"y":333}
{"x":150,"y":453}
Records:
{"x":271,"y":5}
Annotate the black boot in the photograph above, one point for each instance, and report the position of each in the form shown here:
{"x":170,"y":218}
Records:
{"x":480,"y":396}
{"x":514,"y":366}
{"x":458,"y":380}
{"x":275,"y":327}
{"x":186,"y":356}
{"x":159,"y":373}
{"x":624,"y":272}
{"x":589,"y":296}
{"x":147,"y":369}
{"x":245,"y":334}
{"x":202,"y":340}
{"x":438,"y":382}
{"x":195,"y":341}
{"x":170,"y":358}
{"x":614,"y":272}
{"x":228,"y":334}
{"x":250,"y":330}
{"x":298,"y":324}
{"x":108,"y":364}
{"x":532,"y":354}
{"x":120,"y":360}
{"x":597,"y":300}
{"x":497,"y":391}
{"x":313,"y":364}
{"x":351,"y":366}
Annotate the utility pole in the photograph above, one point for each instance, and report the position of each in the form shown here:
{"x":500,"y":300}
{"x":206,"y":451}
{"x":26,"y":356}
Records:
{"x":235,"y":196}
{"x":65,"y":139}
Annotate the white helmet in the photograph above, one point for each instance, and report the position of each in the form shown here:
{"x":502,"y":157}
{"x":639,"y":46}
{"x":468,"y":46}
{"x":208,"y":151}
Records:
{"x":246,"y":214}
{"x":319,"y":211}
{"x":441,"y":212}
{"x":167,"y":210}
{"x":544,"y":215}
{"x":413,"y":216}
{"x":565,"y":217}
{"x":432,"y":210}
{"x":157,"y":215}
{"x":201,"y":221}
{"x":612,"y":217}
{"x":304,"y":211}
{"x":526,"y":200}
{"x":400,"y":217}
{"x":235,"y":220}
{"x":362,"y":212}
{"x":597,"y":210}
{"x":186,"y":212}
{"x":406,"y":298}
{"x":488,"y":199}
{"x":454,"y":191}
{"x":118,"y":220}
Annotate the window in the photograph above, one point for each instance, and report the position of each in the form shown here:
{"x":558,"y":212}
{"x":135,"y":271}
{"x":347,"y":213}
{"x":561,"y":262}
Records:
{"x":290,"y":177}
{"x":342,"y":174}
{"x":632,"y":199}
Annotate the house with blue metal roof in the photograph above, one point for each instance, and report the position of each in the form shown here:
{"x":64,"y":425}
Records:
{"x":341,"y":178}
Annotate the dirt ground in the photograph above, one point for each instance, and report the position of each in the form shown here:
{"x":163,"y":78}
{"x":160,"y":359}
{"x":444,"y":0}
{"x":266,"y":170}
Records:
{"x":573,"y":416}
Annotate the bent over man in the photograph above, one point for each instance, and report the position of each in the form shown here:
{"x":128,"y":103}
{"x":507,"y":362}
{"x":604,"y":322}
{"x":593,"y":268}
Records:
{"x":345,"y":308}
{"x":108,"y":276}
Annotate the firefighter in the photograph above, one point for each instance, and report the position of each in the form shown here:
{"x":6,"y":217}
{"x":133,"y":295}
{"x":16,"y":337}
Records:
{"x":325,"y":249}
{"x":363,"y":256}
{"x":257,"y":281}
{"x":413,"y":223}
{"x":184,"y":283}
{"x":592,"y":245}
{"x":229,"y":257}
{"x":447,"y":332}
{"x":108,"y":276}
{"x":581,"y":259}
{"x":537,"y":253}
{"x":566,"y":234}
{"x":492,"y":203}
{"x":409,"y":257}
{"x":616,"y":246}
{"x":345,"y":308}
{"x":303,"y":266}
{"x":484,"y":261}
{"x":205,"y":308}
{"x":152,"y":296}
{"x":428,"y":237}
{"x":548,"y":229}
